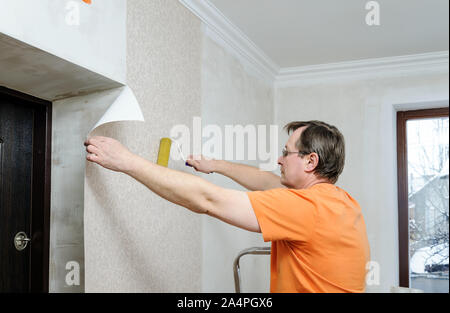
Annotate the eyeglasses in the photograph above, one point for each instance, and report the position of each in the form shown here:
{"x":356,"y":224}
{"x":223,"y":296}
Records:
{"x":285,"y":153}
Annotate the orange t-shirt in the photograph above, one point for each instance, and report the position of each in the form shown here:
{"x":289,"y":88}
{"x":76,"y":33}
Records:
{"x":319,"y":241}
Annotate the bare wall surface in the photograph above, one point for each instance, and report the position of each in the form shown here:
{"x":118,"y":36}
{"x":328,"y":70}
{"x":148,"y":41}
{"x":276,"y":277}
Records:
{"x":92,"y":36}
{"x":38,"y":73}
{"x":231,"y":96}
{"x":365,"y":112}
{"x":134,"y":240}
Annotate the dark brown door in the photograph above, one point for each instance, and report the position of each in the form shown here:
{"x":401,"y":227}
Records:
{"x":24,"y":192}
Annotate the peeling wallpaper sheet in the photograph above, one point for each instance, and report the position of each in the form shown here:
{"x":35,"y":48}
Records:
{"x":124,"y":108}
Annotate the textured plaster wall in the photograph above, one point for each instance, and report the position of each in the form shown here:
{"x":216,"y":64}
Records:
{"x":73,"y":118}
{"x":365,"y":111}
{"x":231,"y":96}
{"x":134,"y":240}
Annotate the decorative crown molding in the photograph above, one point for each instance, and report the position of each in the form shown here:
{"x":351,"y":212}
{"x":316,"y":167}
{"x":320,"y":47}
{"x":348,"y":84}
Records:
{"x":222,"y":30}
{"x":433,"y":61}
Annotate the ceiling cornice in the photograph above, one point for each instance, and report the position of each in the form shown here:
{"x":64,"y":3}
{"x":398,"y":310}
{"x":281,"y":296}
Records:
{"x":433,"y":61}
{"x":222,"y":30}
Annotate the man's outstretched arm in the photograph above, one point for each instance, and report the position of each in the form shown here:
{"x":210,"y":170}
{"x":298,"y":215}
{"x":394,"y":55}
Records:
{"x":189,"y":191}
{"x":247,"y":176}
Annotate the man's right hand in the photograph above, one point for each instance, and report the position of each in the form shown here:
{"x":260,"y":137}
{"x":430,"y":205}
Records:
{"x":201,"y":164}
{"x":247,"y":176}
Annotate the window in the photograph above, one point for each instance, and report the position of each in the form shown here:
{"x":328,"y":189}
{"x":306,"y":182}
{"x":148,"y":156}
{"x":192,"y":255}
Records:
{"x":423,"y":199}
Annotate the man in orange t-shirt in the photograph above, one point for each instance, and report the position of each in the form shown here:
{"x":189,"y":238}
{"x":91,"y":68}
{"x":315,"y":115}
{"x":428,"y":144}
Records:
{"x":318,"y":235}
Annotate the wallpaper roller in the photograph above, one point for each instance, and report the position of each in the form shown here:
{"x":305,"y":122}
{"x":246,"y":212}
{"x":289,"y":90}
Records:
{"x":164,"y":152}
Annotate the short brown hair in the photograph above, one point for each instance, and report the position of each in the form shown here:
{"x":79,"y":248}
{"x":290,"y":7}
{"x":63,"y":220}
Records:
{"x":325,"y":140}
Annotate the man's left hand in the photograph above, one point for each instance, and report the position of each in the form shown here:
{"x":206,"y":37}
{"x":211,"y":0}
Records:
{"x":109,"y":153}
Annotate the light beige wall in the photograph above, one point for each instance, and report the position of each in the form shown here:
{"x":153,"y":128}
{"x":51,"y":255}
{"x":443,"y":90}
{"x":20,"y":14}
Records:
{"x":231,"y":96}
{"x":365,"y":111}
{"x":137,"y":241}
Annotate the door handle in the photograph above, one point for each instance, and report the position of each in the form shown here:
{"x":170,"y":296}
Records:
{"x":21,"y":241}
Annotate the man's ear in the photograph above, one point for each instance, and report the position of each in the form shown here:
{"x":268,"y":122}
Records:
{"x":312,"y":160}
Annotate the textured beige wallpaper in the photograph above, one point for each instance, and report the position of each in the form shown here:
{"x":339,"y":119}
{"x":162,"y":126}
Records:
{"x":232,"y":96}
{"x":134,"y":240}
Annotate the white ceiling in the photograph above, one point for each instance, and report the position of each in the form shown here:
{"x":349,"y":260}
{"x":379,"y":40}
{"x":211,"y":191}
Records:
{"x":296,"y":33}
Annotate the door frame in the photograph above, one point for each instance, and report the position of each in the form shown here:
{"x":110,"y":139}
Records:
{"x":41,"y":183}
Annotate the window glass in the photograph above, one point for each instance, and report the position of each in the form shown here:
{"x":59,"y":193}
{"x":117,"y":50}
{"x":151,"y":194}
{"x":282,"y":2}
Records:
{"x":428,"y":202}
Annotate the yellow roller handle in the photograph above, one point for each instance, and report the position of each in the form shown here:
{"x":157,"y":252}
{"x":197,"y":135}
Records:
{"x":164,"y":152}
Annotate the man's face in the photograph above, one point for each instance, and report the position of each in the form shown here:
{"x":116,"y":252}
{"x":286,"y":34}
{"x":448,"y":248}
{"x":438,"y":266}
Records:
{"x":292,"y":166}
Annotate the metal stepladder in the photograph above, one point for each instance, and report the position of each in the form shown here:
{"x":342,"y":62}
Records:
{"x":236,"y":267}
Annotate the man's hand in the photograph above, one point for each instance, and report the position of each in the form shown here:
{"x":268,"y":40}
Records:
{"x":247,"y":176}
{"x":202,"y":164}
{"x":108,"y":153}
